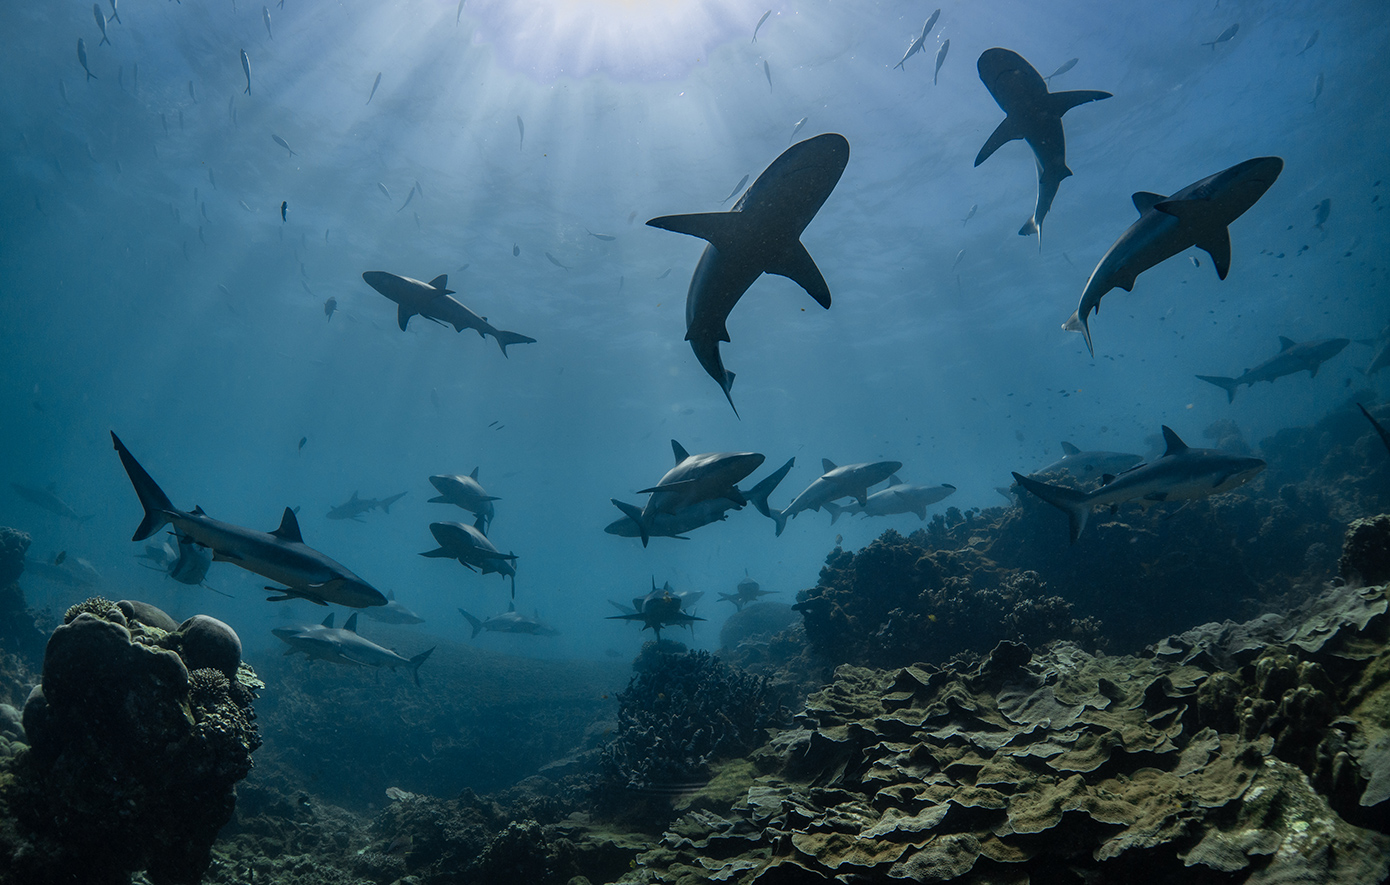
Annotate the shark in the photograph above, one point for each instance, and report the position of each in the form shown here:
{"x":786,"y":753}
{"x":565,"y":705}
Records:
{"x":693,"y":479}
{"x":1088,"y":465}
{"x":1181,"y":474}
{"x":760,"y":234}
{"x":510,"y":622}
{"x":472,"y":549}
{"x":687,"y":519}
{"x":465,"y":492}
{"x":748,"y":591}
{"x":1033,"y":114}
{"x":659,"y":608}
{"x":851,"y":480}
{"x":393,"y":612}
{"x":899,"y":497}
{"x":344,"y":646}
{"x":47,"y":499}
{"x":280,"y":555}
{"x":354,"y":507}
{"x":431,"y":300}
{"x":185,"y":561}
{"x":1198,"y":215}
{"x":1293,"y":356}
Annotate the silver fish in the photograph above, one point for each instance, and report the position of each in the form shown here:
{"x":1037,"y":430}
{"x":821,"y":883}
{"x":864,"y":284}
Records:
{"x":1317,"y":89}
{"x":383,"y":189}
{"x":101,"y":23}
{"x":959,"y":256}
{"x":521,"y":130}
{"x":82,"y":60}
{"x":607,"y":238}
{"x":191,"y":94}
{"x":284,"y":144}
{"x":1226,"y":35}
{"x":460,"y":13}
{"x":1066,"y":66}
{"x":265,"y":17}
{"x":244,"y":206}
{"x":797,"y":128}
{"x":1311,"y":40}
{"x":374,"y":86}
{"x":117,"y":16}
{"x":767,"y":72}
{"x":969,"y":215}
{"x":759,"y":25}
{"x":408,"y":197}
{"x":1321,"y":210}
{"x":245,"y":66}
{"x":63,"y":91}
{"x":738,"y":187}
{"x":555,"y":261}
{"x":940,"y":60}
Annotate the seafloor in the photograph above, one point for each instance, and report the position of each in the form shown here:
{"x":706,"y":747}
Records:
{"x":1199,"y":696}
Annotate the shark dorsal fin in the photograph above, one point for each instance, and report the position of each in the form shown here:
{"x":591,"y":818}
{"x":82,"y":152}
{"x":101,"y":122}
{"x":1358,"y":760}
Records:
{"x":198,"y":510}
{"x":289,"y":528}
{"x":679,"y":451}
{"x":354,"y":494}
{"x":827,"y":465}
{"x":351,"y":625}
{"x":474,"y":474}
{"x":1175,"y":444}
{"x":1069,"y":449}
{"x":894,"y":481}
{"x":666,"y":587}
{"x":328,"y":621}
{"x":441,"y":281}
{"x":1146,"y":200}
{"x":1285,"y":344}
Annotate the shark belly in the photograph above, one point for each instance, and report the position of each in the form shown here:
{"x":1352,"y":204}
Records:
{"x":718,"y":283}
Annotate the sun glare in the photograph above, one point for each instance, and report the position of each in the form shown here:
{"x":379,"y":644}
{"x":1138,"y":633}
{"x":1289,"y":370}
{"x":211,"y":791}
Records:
{"x":624,"y":39}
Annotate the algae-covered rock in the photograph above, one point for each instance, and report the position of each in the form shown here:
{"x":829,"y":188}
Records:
{"x":1366,"y":551}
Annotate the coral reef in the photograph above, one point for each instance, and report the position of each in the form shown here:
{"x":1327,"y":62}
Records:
{"x":681,"y":712}
{"x":132,"y":759}
{"x":13,"y":545}
{"x":1366,"y":555}
{"x":18,"y":634}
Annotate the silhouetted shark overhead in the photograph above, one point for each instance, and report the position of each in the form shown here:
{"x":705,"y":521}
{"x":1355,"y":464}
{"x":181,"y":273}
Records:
{"x":431,"y":300}
{"x":761,"y":234}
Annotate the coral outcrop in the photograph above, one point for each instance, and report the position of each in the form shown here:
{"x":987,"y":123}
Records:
{"x":21,"y":643}
{"x":133,"y":757}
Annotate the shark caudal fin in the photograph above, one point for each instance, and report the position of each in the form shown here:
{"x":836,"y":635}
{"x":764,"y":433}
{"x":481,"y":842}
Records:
{"x":505,"y":338}
{"x":387,"y":502}
{"x":416,"y":661}
{"x":758,"y":494}
{"x":834,"y":509}
{"x":1076,"y":323}
{"x":1071,"y":502}
{"x":157,"y":506}
{"x":634,"y":514}
{"x":779,"y":517}
{"x":473,"y":622}
{"x":1227,"y":384}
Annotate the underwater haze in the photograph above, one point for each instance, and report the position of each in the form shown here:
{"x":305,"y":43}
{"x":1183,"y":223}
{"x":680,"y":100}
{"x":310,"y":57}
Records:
{"x":173,"y":227}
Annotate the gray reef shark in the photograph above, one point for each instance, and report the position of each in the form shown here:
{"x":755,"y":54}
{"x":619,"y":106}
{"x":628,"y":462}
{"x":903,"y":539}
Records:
{"x":431,"y":300}
{"x":472,"y":549}
{"x":47,"y":498}
{"x":393,"y":612}
{"x":760,"y":234}
{"x":344,"y":646}
{"x":465,"y":492}
{"x":354,"y":507}
{"x":748,"y":592}
{"x":899,"y":497}
{"x":1293,"y":356}
{"x":693,"y":480}
{"x":1197,"y":215}
{"x":687,"y":519}
{"x":1181,"y":474}
{"x":1033,"y":114}
{"x":187,"y":563}
{"x":510,"y":622}
{"x":280,"y":555}
{"x":659,"y":608}
{"x":1088,"y":465}
{"x":849,"y":481}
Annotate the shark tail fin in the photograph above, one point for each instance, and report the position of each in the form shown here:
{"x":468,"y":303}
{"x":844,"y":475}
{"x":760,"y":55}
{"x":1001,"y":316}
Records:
{"x":1071,"y":502}
{"x":386,"y":504}
{"x":473,"y":622}
{"x":1227,"y":384}
{"x":1076,"y":323}
{"x":779,"y":517}
{"x":152,"y":498}
{"x":635,"y":515}
{"x":416,"y":661}
{"x":758,"y":494}
{"x":834,"y":509}
{"x":505,"y":338}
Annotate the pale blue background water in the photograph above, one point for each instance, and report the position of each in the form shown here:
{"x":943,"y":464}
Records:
{"x":632,"y":110}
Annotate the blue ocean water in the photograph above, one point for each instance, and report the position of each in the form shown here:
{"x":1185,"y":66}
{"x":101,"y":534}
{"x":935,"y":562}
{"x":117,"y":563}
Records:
{"x":152,"y":287}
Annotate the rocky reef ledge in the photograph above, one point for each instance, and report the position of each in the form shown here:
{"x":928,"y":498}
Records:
{"x":130,"y":749}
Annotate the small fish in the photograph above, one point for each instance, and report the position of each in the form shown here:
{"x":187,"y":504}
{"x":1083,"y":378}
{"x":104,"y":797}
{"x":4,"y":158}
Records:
{"x":797,"y":128}
{"x":555,"y":261}
{"x":82,"y":60}
{"x":383,"y":189}
{"x":1311,"y":40}
{"x":417,"y":219}
{"x":1226,"y":35}
{"x":284,"y":211}
{"x":666,"y":273}
{"x":117,"y":16}
{"x":959,"y":256}
{"x":1195,"y":262}
{"x":759,"y":25}
{"x":605,"y":237}
{"x":58,"y":560}
{"x":265,"y":17}
{"x":374,"y":86}
{"x":307,"y":289}
{"x":284,"y":144}
{"x":1321,"y":211}
{"x":738,"y":187}
{"x":200,"y":235}
{"x":940,"y":60}
{"x":302,"y":441}
{"x":521,"y":130}
{"x":191,"y":94}
{"x":493,"y":424}
{"x":633,"y":214}
{"x":1066,"y":66}
{"x":101,"y":23}
{"x":244,"y":206}
{"x":516,"y":250}
{"x":204,"y":208}
{"x":462,"y":268}
{"x":767,"y":72}
{"x":212,"y":179}
{"x":63,"y":91}
{"x":919,"y":42}
{"x":969,"y":215}
{"x":419,"y":190}
{"x":224,"y":290}
{"x":245,"y":66}
{"x":839,"y":539}
{"x":329,"y":306}
{"x":408,"y":197}
{"x":1317,"y":90}
{"x":460,"y":13}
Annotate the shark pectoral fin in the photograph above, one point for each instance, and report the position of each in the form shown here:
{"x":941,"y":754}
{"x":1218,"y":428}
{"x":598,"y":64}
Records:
{"x":1156,"y":496}
{"x":1218,"y":246}
{"x":797,"y":265}
{"x":1145,"y":200}
{"x":1004,"y":133}
{"x":219,"y":556}
{"x":668,"y":487}
{"x":1065,"y":101}
{"x":403,"y":316}
{"x":439,"y":553}
{"x":720,"y":228}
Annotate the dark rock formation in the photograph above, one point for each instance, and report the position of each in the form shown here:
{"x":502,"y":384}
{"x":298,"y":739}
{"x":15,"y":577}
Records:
{"x":133,"y":758}
{"x":1366,"y":554}
{"x":18,"y":635}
